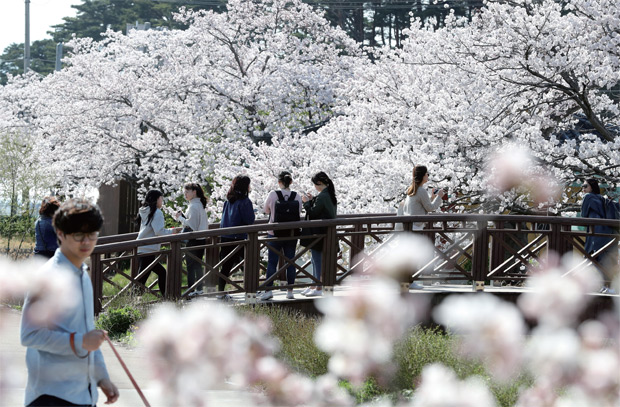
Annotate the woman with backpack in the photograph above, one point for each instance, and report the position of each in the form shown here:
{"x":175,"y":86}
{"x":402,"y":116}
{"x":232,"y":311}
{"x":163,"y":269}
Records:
{"x":151,"y":221}
{"x":194,"y":220}
{"x":281,"y":205}
{"x":238,"y":211}
{"x":593,"y":206}
{"x":323,"y":206}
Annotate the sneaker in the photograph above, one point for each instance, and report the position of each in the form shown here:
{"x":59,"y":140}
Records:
{"x":607,"y":290}
{"x":416,"y":286}
{"x":315,"y":293}
{"x":290,"y":295}
{"x":225,"y":298}
{"x":267,"y":295}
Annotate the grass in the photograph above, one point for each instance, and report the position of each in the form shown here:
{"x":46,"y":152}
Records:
{"x":420,"y":347}
{"x":295,"y":331}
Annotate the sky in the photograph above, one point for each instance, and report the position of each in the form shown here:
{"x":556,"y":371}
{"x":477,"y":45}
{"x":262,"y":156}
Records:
{"x":43,"y":14}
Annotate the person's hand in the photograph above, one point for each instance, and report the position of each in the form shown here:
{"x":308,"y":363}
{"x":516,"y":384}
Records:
{"x":306,"y":197}
{"x":176,"y":230}
{"x":92,"y":340}
{"x":441,"y":193}
{"x":109,"y":389}
{"x":178,"y":215}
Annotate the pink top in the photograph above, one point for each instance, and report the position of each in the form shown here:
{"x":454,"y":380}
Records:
{"x":272,"y":198}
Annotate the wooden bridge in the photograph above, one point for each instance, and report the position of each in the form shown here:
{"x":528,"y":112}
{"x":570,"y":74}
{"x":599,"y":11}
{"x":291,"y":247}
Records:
{"x":475,"y":250}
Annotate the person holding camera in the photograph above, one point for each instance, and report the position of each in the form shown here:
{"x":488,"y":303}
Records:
{"x":194,"y":220}
{"x":417,"y":201}
{"x":322,"y":206}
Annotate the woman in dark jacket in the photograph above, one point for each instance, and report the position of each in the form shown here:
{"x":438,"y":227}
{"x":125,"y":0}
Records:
{"x":238,"y":211}
{"x":44,"y":233}
{"x":593,"y":207}
{"x":323,"y":206}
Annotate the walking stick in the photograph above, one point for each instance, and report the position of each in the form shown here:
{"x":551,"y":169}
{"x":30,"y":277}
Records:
{"x":146,"y":403}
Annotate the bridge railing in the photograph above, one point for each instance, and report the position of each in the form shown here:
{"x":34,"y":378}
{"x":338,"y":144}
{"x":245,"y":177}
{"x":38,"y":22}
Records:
{"x":469,"y":249}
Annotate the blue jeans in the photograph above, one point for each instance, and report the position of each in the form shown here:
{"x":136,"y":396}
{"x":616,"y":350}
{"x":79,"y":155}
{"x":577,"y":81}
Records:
{"x":288,"y":247}
{"x":317,"y":261}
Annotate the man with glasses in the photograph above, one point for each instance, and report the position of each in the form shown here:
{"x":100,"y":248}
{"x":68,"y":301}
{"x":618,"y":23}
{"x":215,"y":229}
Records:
{"x":65,"y":364}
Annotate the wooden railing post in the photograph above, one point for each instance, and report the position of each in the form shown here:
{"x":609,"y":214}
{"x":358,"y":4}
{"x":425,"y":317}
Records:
{"x":96,"y":277}
{"x":357,"y":247}
{"x":174,"y":276}
{"x":497,"y":249}
{"x":480,"y":256}
{"x":330,"y":260}
{"x":251,"y":273}
{"x":557,"y":243}
{"x":212,"y":257}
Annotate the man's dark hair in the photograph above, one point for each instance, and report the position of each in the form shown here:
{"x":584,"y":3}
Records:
{"x":78,"y":215}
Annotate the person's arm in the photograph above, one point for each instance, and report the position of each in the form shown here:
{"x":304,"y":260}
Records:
{"x":316,"y":207}
{"x":247,"y":212}
{"x":48,"y":340}
{"x":193,"y":218}
{"x":426,"y":201}
{"x":158,"y":224}
{"x":267,"y":207}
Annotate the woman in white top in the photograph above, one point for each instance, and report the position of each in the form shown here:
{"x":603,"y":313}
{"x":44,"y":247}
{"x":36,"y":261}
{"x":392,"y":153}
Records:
{"x":151,"y":221}
{"x":194,"y":220}
{"x":418,"y":202}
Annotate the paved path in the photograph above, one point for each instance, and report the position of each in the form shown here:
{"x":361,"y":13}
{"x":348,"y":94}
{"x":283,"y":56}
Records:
{"x":13,"y":371}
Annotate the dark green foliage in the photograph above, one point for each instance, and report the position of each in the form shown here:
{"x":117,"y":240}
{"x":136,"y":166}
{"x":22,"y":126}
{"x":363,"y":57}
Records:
{"x":42,"y":59}
{"x":118,"y":321}
{"x":95,"y":16}
{"x":369,"y":391}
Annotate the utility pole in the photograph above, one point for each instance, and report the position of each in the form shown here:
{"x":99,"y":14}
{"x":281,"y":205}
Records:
{"x":27,"y":39}
{"x":58,"y":56}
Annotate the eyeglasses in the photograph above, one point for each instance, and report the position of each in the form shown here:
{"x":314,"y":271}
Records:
{"x":80,"y":236}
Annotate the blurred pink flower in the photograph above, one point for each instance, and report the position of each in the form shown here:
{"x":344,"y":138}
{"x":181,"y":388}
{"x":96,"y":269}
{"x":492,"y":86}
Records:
{"x":360,"y":329}
{"x":493,"y":330}
{"x":556,"y":298}
{"x":440,"y":387}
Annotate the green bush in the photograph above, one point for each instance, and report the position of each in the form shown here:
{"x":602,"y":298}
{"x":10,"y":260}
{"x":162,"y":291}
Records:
{"x":118,"y":321}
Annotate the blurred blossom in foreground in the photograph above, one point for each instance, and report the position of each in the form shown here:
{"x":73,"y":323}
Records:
{"x":513,"y":167}
{"x":53,"y":292}
{"x":405,"y":254}
{"x":359,"y":330}
{"x":441,"y":388}
{"x":557,"y":300}
{"x":493,"y":330}
{"x":203,"y":345}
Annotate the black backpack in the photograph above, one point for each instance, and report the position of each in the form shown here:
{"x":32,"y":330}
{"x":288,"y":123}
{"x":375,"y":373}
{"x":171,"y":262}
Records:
{"x":286,"y":211}
{"x":612,"y":210}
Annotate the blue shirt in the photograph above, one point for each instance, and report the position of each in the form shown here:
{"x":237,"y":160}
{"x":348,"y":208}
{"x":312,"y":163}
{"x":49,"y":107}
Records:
{"x":238,"y":213}
{"x":53,"y":368}
{"x":45,"y":235}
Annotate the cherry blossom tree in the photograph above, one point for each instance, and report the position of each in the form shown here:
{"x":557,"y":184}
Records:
{"x":521,"y":72}
{"x":160,"y":107}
